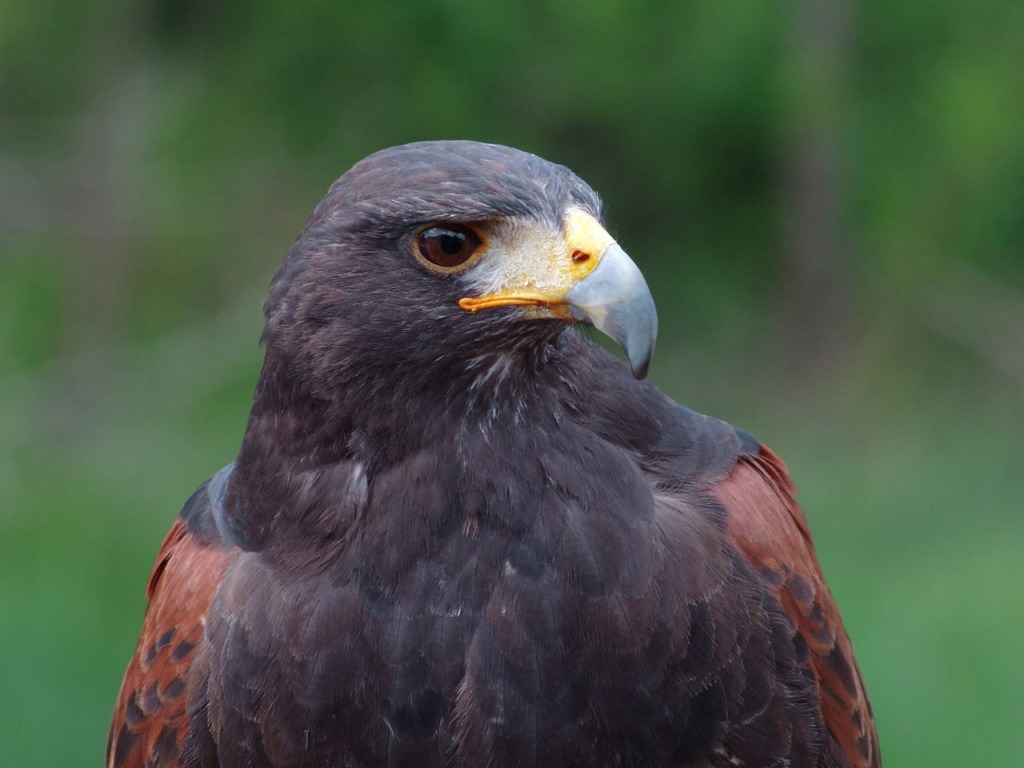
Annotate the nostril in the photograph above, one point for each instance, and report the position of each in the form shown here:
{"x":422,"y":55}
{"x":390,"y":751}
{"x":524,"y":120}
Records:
{"x":578,"y":257}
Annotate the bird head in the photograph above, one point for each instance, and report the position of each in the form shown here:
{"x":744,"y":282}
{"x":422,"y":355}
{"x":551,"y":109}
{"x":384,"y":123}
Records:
{"x":434,"y":264}
{"x":433,"y":292}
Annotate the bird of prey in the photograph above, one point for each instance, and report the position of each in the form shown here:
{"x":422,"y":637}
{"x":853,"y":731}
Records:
{"x":459,"y":533}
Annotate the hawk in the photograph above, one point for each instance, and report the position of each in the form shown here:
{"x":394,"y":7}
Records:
{"x":459,"y":533}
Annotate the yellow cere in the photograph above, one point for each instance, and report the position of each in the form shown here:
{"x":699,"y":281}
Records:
{"x":529,"y":265}
{"x":584,"y":235}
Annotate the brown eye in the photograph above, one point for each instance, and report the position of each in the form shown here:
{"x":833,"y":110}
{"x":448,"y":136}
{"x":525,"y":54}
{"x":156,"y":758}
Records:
{"x":448,"y":245}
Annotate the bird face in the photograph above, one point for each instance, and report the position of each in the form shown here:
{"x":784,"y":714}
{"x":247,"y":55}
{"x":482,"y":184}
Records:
{"x":450,"y":256}
{"x":575,"y":272}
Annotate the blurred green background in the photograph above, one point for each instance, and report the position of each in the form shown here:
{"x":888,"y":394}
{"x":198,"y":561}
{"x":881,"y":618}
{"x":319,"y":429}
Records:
{"x":826,"y":196}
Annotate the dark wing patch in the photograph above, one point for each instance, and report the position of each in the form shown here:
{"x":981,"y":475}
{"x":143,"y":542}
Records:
{"x":769,"y":528}
{"x":151,"y":719}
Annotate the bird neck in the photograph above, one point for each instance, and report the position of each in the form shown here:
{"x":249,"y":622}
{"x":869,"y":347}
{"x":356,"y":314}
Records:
{"x":307,"y":462}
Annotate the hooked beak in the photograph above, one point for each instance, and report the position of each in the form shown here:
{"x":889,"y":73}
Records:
{"x":615,"y":299}
{"x":584,"y":277}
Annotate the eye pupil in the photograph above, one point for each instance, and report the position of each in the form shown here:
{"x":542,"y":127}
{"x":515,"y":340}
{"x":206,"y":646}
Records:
{"x":448,"y":245}
{"x":452,"y":243}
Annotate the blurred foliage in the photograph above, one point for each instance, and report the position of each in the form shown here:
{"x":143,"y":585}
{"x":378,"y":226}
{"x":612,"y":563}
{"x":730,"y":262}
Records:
{"x":157,"y":158}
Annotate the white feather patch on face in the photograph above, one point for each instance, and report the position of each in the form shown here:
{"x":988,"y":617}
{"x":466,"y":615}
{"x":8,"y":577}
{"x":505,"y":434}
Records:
{"x":518,"y":256}
{"x":533,"y":258}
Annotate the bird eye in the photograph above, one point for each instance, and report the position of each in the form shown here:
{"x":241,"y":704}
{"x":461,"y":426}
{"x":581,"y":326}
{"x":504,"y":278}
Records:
{"x":448,"y":245}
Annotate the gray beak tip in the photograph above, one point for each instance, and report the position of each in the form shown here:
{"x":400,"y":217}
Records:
{"x":638,"y":338}
{"x":640,"y":365}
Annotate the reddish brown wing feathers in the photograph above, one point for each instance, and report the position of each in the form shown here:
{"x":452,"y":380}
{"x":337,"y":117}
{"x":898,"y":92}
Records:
{"x":151,"y":719}
{"x":768,"y":526}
